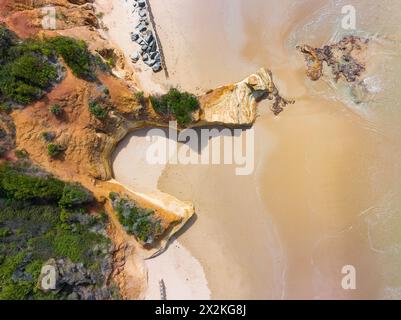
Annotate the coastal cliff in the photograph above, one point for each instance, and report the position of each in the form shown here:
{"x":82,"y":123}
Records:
{"x":88,"y":141}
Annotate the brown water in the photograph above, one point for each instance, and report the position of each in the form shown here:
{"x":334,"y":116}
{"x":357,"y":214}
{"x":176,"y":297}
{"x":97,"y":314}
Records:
{"x":326,"y":191}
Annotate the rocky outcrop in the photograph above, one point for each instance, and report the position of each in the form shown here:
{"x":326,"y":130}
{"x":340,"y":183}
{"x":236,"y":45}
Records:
{"x":345,"y":58}
{"x":145,"y":35}
{"x":235,"y":104}
{"x":73,"y":280}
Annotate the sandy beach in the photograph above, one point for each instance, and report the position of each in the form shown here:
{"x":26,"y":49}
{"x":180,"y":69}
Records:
{"x":324,"y":193}
{"x":182,"y":274}
{"x":120,"y":20}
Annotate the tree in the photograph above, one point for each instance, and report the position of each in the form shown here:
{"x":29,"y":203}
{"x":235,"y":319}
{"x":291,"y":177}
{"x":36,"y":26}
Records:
{"x":97,"y":110}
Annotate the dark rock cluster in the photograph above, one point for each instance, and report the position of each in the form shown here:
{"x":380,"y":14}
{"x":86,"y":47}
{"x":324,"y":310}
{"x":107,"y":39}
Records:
{"x":345,"y":58}
{"x":74,"y":280}
{"x":146,"y":38}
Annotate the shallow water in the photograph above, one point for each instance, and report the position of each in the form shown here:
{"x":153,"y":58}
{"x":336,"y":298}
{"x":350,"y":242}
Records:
{"x":326,"y":190}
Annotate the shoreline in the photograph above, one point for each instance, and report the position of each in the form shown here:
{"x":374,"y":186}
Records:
{"x":326,"y":159}
{"x":117,"y":17}
{"x":182,"y":273}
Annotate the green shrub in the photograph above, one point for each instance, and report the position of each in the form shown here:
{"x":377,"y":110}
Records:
{"x":42,"y":231}
{"x":25,"y":79}
{"x":28,"y":68}
{"x":74,"y":195}
{"x":97,"y":110}
{"x":137,"y":221}
{"x":41,"y":237}
{"x":75,"y":54}
{"x":6,"y":107}
{"x":179,"y":104}
{"x":7,"y":40}
{"x":56,"y":109}
{"x":21,"y":154}
{"x":48,"y":136}
{"x":54,"y":150}
{"x":4,"y":232}
{"x":104,"y":217}
{"x":20,"y":186}
{"x":139,"y":97}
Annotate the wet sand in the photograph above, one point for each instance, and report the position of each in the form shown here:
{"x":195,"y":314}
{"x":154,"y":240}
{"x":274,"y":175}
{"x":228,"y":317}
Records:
{"x":179,"y":271}
{"x":324,"y":168}
{"x":325,"y":190}
{"x":232,"y":238}
{"x":183,"y":275}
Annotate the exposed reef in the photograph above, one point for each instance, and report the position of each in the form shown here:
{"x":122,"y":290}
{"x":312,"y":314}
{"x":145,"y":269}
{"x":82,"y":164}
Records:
{"x":345,"y":59}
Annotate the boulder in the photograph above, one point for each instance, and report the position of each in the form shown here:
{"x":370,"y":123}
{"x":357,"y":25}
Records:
{"x":134,"y":36}
{"x":153,"y":55}
{"x":135,"y":57}
{"x":149,"y":37}
{"x":150,"y":62}
{"x":157,"y":67}
{"x":144,"y":48}
{"x":141,"y":27}
{"x":142,"y":13}
{"x":152,"y":45}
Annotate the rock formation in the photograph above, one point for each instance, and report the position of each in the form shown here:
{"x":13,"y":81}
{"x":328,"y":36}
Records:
{"x":235,"y":104}
{"x":77,"y":282}
{"x":145,"y":35}
{"x":345,"y":59}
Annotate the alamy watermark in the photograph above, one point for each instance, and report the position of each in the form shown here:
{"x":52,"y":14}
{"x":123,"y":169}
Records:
{"x":49,"y":21}
{"x":48,"y":281}
{"x":348,"y":282}
{"x":348,"y":21}
{"x":203,"y":146}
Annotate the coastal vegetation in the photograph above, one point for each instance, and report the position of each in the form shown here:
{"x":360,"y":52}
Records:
{"x":98,"y":110}
{"x":176,"y":104}
{"x":48,"y":136}
{"x":56,"y":109}
{"x":28,"y":69}
{"x":140,"y":97}
{"x":54,"y":150}
{"x":75,"y":54}
{"x":44,"y":218}
{"x":136,"y":220}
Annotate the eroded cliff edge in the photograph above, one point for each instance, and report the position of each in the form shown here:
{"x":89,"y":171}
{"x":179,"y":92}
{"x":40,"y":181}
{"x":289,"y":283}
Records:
{"x":90,"y":141}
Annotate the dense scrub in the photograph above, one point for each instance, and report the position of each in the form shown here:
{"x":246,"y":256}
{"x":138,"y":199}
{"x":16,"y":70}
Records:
{"x":43,"y":218}
{"x":176,"y":104}
{"x":98,"y":110}
{"x":137,"y":221}
{"x":29,"y":68}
